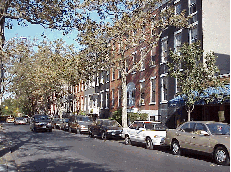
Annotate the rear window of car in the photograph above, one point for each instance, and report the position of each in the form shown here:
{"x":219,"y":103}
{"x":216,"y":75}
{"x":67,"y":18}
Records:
{"x":155,"y":126}
{"x":219,"y":129}
{"x":42,"y":117}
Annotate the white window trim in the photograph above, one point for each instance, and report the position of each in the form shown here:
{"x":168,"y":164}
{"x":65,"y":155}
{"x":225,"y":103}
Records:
{"x":151,"y":103}
{"x":161,"y":89}
{"x":190,"y":31}
{"x":162,"y":40}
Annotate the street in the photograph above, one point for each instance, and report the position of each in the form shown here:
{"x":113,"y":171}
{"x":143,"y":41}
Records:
{"x":63,"y":151}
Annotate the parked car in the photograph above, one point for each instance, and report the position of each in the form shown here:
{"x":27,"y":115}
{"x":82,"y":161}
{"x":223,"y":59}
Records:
{"x":79,"y":123}
{"x":58,"y":123}
{"x":202,"y":136}
{"x":19,"y":120}
{"x":64,"y":124}
{"x":149,"y":132}
{"x":10,"y":120}
{"x":105,"y":128}
{"x":40,"y":123}
{"x":54,"y":121}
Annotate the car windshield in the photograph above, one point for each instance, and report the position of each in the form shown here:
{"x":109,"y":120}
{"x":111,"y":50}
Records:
{"x":111,"y":123}
{"x":219,"y":129}
{"x":66,"y":120}
{"x":85,"y":118}
{"x":155,"y":126}
{"x":19,"y":118}
{"x":42,"y":117}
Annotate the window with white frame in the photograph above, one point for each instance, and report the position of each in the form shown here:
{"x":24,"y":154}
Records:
{"x":101,"y":100}
{"x":178,"y":8}
{"x":113,"y":97}
{"x":97,"y":79}
{"x":113,"y":75}
{"x":193,"y":34}
{"x":192,"y":6}
{"x":119,"y":74}
{"x":177,"y":40}
{"x":108,"y":76}
{"x":164,"y":88}
{"x":177,"y":88}
{"x":102,"y":78}
{"x":142,"y":93}
{"x":164,"y":50}
{"x":142,"y":59}
{"x":107,"y":100}
{"x":153,"y":90}
{"x":85,"y":103}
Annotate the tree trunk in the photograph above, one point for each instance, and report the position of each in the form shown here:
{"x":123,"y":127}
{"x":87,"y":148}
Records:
{"x":189,"y":110}
{"x":124,"y":101}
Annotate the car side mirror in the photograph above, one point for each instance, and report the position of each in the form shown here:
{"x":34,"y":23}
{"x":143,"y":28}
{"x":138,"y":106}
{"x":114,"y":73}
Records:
{"x":204,"y":133}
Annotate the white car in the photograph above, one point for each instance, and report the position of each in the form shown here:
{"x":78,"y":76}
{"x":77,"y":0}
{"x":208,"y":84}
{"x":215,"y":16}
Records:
{"x":149,"y":132}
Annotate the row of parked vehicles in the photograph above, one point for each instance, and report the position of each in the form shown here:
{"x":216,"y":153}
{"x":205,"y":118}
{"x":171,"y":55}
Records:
{"x":197,"y":136}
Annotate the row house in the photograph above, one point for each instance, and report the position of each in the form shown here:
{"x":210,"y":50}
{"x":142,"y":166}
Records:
{"x":150,"y":88}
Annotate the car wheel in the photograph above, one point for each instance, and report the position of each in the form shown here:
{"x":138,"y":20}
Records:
{"x":90,"y":134}
{"x":103,"y":136}
{"x":175,"y":148}
{"x":221,"y":156}
{"x":149,"y":144}
{"x":127,"y":140}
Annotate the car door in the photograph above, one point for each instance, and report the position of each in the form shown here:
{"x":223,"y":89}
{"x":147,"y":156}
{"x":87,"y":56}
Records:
{"x":132,"y":131}
{"x":139,"y":134}
{"x":200,"y":141}
{"x":184,"y":135}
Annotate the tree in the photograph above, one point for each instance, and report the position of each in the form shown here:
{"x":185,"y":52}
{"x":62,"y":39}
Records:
{"x":195,"y":72}
{"x":35,"y":71}
{"x":52,"y":14}
{"x":127,"y":26}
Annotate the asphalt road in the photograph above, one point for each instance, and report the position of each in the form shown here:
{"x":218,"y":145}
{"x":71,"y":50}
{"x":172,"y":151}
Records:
{"x":67,"y":152}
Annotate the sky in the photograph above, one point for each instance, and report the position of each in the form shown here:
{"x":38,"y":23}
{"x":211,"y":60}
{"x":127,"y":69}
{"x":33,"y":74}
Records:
{"x":35,"y":31}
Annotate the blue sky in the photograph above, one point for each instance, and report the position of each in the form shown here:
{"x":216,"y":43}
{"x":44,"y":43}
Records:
{"x":35,"y":31}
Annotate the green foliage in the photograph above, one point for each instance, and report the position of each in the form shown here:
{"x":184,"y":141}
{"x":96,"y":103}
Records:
{"x":137,"y":116}
{"x":194,"y":71}
{"x":10,"y":107}
{"x":117,"y":115}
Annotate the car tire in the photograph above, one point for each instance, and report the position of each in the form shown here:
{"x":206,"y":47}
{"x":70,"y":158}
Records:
{"x":175,"y":148}
{"x":149,"y":144}
{"x":90,"y":134}
{"x":103,"y":136}
{"x":221,"y":156}
{"x":127,"y":140}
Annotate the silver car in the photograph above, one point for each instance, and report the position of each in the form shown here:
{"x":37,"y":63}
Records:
{"x":204,"y":136}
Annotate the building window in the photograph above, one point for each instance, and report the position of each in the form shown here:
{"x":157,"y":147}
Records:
{"x":193,"y":34}
{"x":142,"y":93}
{"x":107,"y":100}
{"x":101,"y":100}
{"x":164,"y":48}
{"x":177,"y":88}
{"x":178,"y":8}
{"x":113,"y":97}
{"x":85,"y":103}
{"x":192,"y":6}
{"x":153,"y":90}
{"x":177,"y":40}
{"x":164,"y":89}
{"x":113,"y":75}
{"x":142,"y":60}
{"x":131,"y":94}
{"x":119,"y":74}
{"x":102,"y":78}
{"x":108,"y":76}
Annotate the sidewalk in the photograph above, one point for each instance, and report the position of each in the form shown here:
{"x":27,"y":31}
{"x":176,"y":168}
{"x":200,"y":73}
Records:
{"x":7,"y":162}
